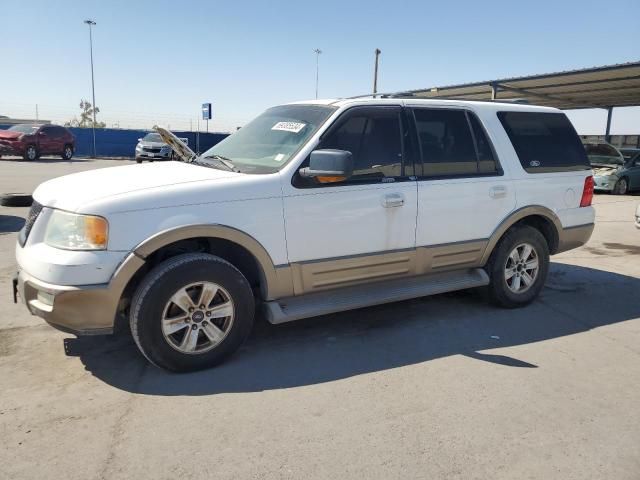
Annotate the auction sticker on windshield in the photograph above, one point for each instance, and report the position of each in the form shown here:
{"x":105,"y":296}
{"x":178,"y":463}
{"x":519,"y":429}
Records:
{"x":293,"y":127}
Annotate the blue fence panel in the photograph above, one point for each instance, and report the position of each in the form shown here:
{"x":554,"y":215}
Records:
{"x":111,"y":142}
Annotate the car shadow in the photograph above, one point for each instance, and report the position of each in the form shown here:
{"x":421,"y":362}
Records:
{"x":10,"y":223}
{"x":334,"y":347}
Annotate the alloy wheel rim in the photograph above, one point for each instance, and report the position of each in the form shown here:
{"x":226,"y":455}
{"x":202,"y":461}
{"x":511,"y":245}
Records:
{"x":31,"y":153}
{"x":623,"y":186}
{"x":198,"y":317}
{"x":67,"y":152}
{"x":521,"y":268}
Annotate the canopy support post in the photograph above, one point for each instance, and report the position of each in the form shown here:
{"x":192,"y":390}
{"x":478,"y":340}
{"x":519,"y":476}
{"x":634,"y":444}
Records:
{"x":607,"y":133}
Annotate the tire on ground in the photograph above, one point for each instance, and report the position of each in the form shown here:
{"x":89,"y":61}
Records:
{"x":154,"y":292}
{"x":16,"y":200}
{"x":498,"y":290}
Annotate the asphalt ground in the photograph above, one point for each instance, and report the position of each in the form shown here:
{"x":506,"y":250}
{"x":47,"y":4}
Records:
{"x":439,"y":387}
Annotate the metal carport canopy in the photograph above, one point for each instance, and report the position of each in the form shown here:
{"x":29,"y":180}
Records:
{"x":598,"y":87}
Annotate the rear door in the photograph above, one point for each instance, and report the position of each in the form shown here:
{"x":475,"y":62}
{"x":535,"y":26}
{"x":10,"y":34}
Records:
{"x":463,"y":194}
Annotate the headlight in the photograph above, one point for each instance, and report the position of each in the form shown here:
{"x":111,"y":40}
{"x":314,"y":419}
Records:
{"x":138,"y":147}
{"x":76,"y":232}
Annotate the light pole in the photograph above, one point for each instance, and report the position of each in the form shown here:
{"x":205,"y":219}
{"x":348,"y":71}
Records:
{"x":93,"y":89}
{"x":375,"y":73}
{"x":317,"y":52}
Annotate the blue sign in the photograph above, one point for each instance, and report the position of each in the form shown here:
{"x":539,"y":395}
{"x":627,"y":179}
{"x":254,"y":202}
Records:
{"x":206,"y":111}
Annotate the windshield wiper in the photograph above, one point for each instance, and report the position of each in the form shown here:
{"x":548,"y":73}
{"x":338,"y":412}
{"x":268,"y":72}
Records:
{"x":225,"y":161}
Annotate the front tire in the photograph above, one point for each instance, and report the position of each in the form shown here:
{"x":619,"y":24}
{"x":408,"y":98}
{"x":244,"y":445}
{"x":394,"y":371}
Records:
{"x":518,"y":267}
{"x":30,"y":153}
{"x":67,"y":153}
{"x":191,"y":312}
{"x":621,"y":187}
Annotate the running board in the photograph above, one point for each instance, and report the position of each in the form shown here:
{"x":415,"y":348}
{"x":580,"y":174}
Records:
{"x":349,"y":298}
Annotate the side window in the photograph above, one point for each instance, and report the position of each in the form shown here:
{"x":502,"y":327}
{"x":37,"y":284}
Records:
{"x":446,"y":142}
{"x":373,"y":136}
{"x":486,"y":160}
{"x":545,"y":142}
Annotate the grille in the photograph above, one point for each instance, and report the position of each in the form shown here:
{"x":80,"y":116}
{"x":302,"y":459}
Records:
{"x":36,"y":208}
{"x":151,"y":150}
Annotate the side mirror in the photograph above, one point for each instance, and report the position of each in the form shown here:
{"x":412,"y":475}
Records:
{"x":139,"y":139}
{"x":329,"y":166}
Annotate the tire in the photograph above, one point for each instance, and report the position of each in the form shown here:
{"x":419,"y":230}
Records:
{"x":621,"y":187}
{"x":30,"y":153}
{"x":16,"y":200}
{"x":166,"y":343}
{"x":138,"y":160}
{"x":67,"y":153}
{"x":513,"y":292}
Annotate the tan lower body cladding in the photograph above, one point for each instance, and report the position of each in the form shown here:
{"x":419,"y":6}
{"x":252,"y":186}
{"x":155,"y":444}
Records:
{"x":314,"y":276}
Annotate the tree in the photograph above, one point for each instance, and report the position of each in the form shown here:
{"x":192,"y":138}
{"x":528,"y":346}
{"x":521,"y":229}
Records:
{"x":86,"y":117}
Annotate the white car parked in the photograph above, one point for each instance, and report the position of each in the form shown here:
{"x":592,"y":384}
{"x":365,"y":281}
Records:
{"x":312,"y":208}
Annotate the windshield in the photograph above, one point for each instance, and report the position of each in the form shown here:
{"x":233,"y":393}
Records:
{"x":603,"y":153}
{"x":152,"y":137}
{"x":268,"y":142}
{"x":24,"y":128}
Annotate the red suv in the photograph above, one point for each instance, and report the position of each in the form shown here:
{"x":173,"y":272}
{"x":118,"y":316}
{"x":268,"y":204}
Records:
{"x":32,"y":141}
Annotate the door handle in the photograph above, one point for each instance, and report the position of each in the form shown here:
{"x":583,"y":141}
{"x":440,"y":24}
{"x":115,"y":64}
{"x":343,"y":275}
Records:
{"x":499,"y":191}
{"x":392,"y":200}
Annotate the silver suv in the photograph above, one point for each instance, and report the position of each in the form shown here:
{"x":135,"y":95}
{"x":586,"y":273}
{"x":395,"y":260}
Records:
{"x":152,"y":147}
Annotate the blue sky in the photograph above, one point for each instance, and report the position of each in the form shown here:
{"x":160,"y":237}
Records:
{"x":158,"y":61}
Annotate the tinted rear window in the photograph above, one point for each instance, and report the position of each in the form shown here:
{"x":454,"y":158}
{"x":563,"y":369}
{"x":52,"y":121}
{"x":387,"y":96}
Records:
{"x":545,"y":142}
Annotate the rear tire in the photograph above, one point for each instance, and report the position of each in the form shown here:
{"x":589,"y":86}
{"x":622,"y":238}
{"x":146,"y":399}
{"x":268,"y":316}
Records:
{"x":518,"y":267}
{"x":175,"y":324}
{"x":621,"y":187}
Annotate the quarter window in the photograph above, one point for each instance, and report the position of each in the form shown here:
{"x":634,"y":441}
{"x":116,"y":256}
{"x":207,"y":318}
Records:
{"x":544,"y":142}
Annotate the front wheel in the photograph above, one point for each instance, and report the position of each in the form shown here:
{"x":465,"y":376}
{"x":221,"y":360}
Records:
{"x":518,"y":267}
{"x":31,"y":153}
{"x":621,"y":187}
{"x":191,"y":312}
{"x":67,"y":153}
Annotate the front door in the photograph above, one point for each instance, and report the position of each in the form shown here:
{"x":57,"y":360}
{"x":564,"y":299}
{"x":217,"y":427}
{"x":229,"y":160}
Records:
{"x":363,"y":228}
{"x":633,"y":172}
{"x":463,"y":194}
{"x":47,"y":140}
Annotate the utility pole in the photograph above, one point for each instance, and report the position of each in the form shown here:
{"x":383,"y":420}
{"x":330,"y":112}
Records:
{"x":36,"y":112}
{"x":91,"y":23}
{"x":375,"y":73}
{"x":317,"y":51}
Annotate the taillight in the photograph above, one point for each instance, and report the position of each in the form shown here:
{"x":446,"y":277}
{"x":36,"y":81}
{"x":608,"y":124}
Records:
{"x":587,"y":192}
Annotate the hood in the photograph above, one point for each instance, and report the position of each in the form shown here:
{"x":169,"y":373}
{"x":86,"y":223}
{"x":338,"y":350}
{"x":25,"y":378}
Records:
{"x":604,"y":169}
{"x":72,"y":192}
{"x":10,"y":134}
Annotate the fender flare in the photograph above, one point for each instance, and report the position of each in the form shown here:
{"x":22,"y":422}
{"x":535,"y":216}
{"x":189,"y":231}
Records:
{"x":275,"y":280}
{"x":513,"y":218}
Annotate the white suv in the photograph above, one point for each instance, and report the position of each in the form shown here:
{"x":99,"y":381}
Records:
{"x":312,"y":208}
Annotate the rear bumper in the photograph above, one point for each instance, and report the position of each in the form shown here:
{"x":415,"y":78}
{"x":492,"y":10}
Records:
{"x":574,"y":237}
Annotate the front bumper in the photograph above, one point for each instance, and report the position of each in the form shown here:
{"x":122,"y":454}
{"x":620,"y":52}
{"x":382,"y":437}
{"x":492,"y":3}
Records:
{"x":8,"y":150}
{"x":81,"y":310}
{"x":604,"y":183}
{"x":142,"y":155}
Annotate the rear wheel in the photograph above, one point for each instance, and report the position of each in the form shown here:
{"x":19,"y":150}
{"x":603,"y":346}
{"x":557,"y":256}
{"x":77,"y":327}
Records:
{"x":30,"y":153}
{"x":621,"y":187}
{"x":191,"y":312}
{"x":518,"y":267}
